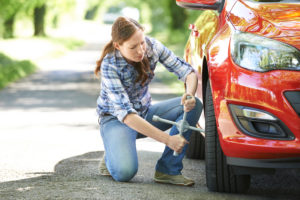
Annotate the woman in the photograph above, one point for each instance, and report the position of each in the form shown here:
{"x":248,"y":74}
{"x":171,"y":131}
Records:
{"x":126,"y":68}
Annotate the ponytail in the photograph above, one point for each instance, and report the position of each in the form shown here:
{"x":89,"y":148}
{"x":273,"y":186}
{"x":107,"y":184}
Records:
{"x":109,"y":47}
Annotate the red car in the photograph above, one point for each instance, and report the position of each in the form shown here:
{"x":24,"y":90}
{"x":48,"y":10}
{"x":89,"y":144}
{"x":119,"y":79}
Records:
{"x":247,"y":57}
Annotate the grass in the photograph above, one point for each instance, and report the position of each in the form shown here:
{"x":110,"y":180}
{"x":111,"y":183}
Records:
{"x":18,"y":57}
{"x":12,"y":70}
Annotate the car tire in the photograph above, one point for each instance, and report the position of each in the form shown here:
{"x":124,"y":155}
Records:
{"x":219,"y":175}
{"x":196,"y":147}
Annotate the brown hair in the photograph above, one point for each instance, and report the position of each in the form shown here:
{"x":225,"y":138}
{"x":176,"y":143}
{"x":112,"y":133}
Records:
{"x":122,"y":29}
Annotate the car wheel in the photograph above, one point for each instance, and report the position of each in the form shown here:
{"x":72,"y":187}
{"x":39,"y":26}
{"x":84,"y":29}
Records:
{"x":219,"y":175}
{"x":196,"y":149}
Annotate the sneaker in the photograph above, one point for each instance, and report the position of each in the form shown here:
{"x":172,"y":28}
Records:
{"x":102,"y":167}
{"x":172,"y":179}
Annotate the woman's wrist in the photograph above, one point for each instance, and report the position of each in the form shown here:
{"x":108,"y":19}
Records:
{"x":191,"y":84}
{"x":167,"y":140}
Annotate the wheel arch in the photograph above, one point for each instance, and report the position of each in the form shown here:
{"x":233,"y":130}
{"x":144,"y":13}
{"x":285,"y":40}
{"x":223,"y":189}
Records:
{"x":205,"y":77}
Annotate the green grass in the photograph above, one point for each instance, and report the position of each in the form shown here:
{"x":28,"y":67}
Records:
{"x":15,"y":63}
{"x":12,"y":70}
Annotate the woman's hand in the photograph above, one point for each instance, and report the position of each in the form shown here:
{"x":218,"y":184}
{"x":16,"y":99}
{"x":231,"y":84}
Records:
{"x":176,"y":143}
{"x":188,"y":104}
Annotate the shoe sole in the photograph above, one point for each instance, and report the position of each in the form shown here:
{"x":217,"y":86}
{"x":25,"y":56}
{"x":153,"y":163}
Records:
{"x":168,"y":182}
{"x":104,"y":173}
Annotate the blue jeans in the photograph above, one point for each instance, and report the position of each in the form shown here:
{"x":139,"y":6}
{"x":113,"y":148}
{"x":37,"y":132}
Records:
{"x":120,"y":141}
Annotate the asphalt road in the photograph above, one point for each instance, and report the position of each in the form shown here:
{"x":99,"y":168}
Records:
{"x":50,"y":146}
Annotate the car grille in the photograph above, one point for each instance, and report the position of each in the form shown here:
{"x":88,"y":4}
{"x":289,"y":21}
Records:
{"x":294,"y":98}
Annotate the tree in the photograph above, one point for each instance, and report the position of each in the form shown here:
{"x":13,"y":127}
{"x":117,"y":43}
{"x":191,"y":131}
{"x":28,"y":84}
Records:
{"x":92,"y":9}
{"x":38,"y":7}
{"x":8,"y":11}
{"x":39,"y":20}
{"x":178,"y":15}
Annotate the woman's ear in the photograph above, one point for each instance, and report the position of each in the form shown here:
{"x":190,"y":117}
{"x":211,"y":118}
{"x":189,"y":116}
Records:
{"x":116,"y":45}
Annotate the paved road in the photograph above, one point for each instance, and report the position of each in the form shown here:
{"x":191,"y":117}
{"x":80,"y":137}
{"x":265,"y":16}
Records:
{"x":50,"y":144}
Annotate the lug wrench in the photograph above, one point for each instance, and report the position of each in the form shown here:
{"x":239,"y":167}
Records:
{"x":181,"y":125}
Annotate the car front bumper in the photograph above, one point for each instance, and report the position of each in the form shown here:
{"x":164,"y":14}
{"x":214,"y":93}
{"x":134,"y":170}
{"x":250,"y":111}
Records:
{"x":261,"y":91}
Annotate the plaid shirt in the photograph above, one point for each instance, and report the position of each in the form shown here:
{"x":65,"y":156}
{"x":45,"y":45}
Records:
{"x":120,"y":94}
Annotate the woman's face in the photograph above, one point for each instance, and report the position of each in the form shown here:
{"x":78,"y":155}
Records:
{"x":134,"y":48}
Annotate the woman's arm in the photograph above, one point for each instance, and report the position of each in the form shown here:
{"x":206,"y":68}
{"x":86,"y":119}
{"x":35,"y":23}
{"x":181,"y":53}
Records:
{"x":134,"y":121}
{"x":191,"y":84}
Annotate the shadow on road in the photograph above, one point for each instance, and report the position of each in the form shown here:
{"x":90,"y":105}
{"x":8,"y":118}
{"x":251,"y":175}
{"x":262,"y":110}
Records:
{"x":61,"y":90}
{"x":285,"y":183}
{"x":78,"y":178}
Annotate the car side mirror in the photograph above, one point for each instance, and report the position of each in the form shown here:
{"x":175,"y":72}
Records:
{"x":200,"y":4}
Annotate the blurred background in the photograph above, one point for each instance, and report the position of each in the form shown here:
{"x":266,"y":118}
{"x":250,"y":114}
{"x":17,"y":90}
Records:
{"x":35,"y":29}
{"x":50,"y":115}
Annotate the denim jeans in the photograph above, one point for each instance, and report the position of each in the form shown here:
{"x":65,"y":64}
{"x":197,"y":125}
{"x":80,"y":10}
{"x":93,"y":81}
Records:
{"x":120,"y":141}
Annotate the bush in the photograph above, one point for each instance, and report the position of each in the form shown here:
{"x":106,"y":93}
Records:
{"x":12,"y":70}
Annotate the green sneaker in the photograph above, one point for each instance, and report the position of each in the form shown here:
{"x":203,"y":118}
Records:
{"x":173,"y":179}
{"x":102,"y":167}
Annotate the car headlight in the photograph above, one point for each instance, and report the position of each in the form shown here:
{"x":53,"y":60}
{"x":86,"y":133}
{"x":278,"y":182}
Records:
{"x":262,"y":54}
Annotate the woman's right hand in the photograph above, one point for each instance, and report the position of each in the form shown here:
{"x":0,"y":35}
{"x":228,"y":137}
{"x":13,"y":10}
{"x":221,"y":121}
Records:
{"x":176,"y":143}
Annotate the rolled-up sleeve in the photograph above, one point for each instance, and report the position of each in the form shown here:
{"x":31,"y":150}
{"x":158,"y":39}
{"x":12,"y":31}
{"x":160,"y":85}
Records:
{"x":173,"y":63}
{"x":116,"y":93}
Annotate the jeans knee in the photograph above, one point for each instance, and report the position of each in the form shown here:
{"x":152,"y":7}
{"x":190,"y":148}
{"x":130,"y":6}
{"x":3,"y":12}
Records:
{"x":198,"y":108}
{"x":124,"y":173}
{"x":199,"y":105}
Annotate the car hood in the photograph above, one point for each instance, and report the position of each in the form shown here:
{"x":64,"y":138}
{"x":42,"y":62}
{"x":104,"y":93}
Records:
{"x":267,"y":19}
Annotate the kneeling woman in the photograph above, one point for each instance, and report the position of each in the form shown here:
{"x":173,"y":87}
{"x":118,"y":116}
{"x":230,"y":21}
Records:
{"x":126,"y":68}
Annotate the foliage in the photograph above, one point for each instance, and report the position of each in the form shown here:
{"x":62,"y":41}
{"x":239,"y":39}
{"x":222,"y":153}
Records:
{"x":163,"y":19}
{"x":56,"y":8}
{"x":10,"y":9}
{"x":11,"y":70}
{"x":92,"y":9}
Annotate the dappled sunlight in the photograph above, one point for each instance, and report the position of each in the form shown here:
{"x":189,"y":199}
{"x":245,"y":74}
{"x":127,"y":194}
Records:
{"x":42,"y":50}
{"x":30,"y":48}
{"x":50,"y":115}
{"x":59,"y":90}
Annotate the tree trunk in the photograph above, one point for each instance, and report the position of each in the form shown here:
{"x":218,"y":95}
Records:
{"x":178,"y":15}
{"x":91,"y":13}
{"x":39,"y":20}
{"x":9,"y":27}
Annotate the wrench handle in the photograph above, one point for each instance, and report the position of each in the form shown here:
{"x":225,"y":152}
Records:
{"x":182,"y":125}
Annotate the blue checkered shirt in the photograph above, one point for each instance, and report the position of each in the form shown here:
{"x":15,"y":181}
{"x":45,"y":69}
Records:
{"x":120,"y":94}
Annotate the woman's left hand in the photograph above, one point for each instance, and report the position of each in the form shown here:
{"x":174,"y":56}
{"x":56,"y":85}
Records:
{"x":188,"y":104}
